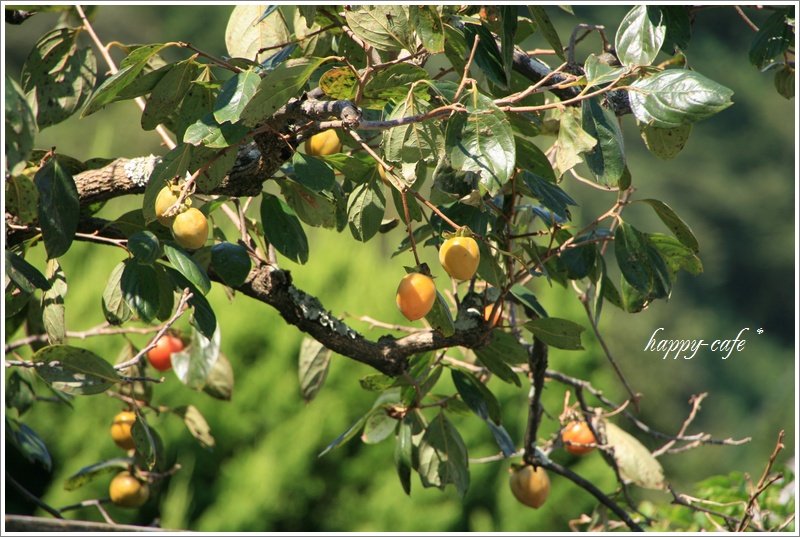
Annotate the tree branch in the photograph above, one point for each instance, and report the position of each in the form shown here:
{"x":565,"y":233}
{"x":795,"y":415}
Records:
{"x":388,"y":355}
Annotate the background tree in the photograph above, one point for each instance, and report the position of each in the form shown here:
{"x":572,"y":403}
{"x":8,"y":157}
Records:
{"x":489,"y":139}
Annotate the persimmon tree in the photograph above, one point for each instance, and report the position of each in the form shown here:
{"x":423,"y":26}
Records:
{"x":439,"y":112}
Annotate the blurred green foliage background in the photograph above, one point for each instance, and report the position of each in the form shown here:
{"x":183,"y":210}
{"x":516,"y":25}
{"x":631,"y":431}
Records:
{"x":734,"y":184}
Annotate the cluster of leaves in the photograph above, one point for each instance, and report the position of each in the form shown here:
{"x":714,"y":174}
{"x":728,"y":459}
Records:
{"x":475,"y":144}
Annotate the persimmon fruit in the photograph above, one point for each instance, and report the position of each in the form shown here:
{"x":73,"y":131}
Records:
{"x":415,"y":295}
{"x":460,"y":257}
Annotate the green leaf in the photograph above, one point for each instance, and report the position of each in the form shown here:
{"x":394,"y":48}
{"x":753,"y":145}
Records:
{"x":187,"y":266}
{"x":548,"y":30}
{"x":23,"y":274}
{"x":427,"y":23}
{"x":528,"y":301}
{"x":572,"y":141}
{"x":277,"y":87}
{"x":508,"y":347}
{"x":144,"y":83}
{"x":193,"y":365}
{"x":676,"y":255}
{"x":234,"y":96}
{"x":145,"y":247}
{"x":632,"y":299}
{"x":559,"y":333}
{"x":312,"y":208}
{"x":393,"y":84}
{"x":550,"y":194}
{"x":248,"y":32}
{"x":20,"y":389}
{"x":28,"y":443}
{"x":497,"y":365}
{"x":487,"y":55}
{"x":140,"y":289}
{"x":365,"y":209}
{"x":339,"y":83}
{"x":774,"y":37}
{"x":73,"y":370}
{"x":282,"y":229}
{"x":53,"y":315}
{"x":58,"y":77}
{"x":579,"y":260}
{"x":129,"y":69}
{"x":231,"y":262}
{"x":87,"y":474}
{"x":508,"y":14}
{"x":641,"y":264}
{"x":168,"y":94}
{"x":674,"y":222}
{"x":599,"y":73}
{"x":204,"y":318}
{"x":413,"y":142}
{"x":378,"y":427}
{"x":20,"y":127}
{"x":347,"y":435}
{"x":533,"y":159}
{"x":481,"y":141}
{"x":784,"y":81}
{"x":665,"y":143}
{"x":678,"y":22}
{"x":385,"y":27}
{"x":115,"y":308}
{"x":208,"y":132}
{"x":59,"y":207}
{"x":144,"y":441}
{"x":312,"y":367}
{"x":676,"y":97}
{"x":376,"y":382}
{"x":403,"y":448}
{"x":196,"y":423}
{"x":443,"y":456}
{"x":220,"y":380}
{"x":606,"y":160}
{"x":440,"y":317}
{"x":477,"y":396}
{"x":312,"y":172}
{"x":638,"y":40}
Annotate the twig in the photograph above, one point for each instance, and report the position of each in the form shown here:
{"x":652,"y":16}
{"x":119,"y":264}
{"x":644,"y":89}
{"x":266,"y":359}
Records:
{"x":746,"y":20}
{"x":763,"y":483}
{"x":466,"y":68}
{"x":695,"y":400}
{"x":101,"y":330}
{"x":584,"y":298}
{"x":591,"y":489}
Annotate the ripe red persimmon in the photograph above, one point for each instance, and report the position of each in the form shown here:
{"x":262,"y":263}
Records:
{"x":578,"y":432}
{"x":160,"y":356}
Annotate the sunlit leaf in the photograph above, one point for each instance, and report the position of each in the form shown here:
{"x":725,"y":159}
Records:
{"x":312,"y":367}
{"x":638,"y":39}
{"x":74,"y":370}
{"x":676,"y":97}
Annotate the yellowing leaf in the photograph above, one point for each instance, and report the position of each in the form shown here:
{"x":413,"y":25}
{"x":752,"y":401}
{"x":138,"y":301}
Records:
{"x":636,"y":464}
